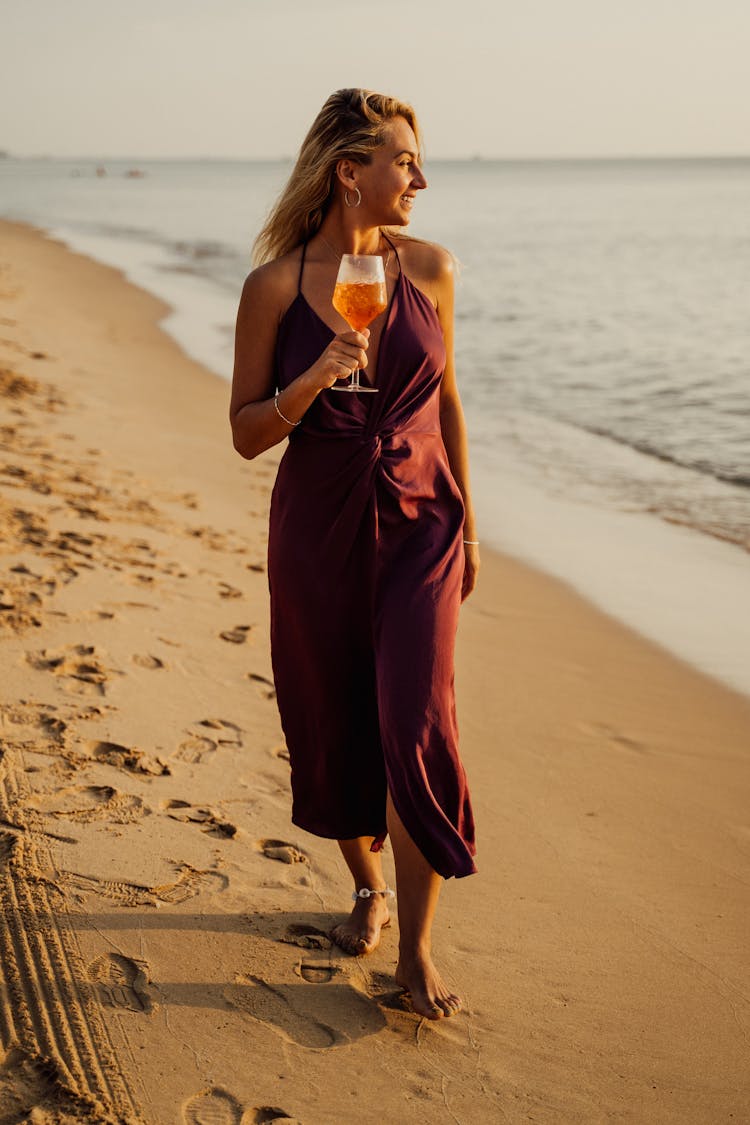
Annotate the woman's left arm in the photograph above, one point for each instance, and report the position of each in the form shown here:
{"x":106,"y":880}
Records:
{"x":452,"y":422}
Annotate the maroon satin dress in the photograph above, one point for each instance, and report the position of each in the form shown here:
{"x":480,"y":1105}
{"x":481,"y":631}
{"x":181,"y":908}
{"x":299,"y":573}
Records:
{"x":365,"y":564}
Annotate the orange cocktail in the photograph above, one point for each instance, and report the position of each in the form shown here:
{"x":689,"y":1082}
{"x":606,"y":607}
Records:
{"x":359,"y":295}
{"x":359,"y":302}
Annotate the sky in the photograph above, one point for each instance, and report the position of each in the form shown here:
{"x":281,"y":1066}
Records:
{"x":245,"y":78}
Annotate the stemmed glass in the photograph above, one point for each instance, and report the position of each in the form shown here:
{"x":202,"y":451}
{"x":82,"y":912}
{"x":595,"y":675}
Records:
{"x":360,"y":295}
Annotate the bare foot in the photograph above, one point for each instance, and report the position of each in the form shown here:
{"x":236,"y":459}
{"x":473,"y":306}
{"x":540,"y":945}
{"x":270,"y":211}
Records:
{"x":361,"y":933}
{"x":430,"y":996}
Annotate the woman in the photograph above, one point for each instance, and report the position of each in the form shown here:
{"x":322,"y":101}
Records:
{"x":372,"y":543}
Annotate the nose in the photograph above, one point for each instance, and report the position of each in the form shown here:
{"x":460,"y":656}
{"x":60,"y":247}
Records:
{"x":419,"y":181}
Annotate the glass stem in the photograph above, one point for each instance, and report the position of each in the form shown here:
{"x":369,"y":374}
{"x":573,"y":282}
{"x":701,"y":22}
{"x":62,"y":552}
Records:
{"x":355,"y":378}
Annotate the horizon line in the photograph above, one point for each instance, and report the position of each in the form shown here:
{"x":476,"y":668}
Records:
{"x":475,"y":158}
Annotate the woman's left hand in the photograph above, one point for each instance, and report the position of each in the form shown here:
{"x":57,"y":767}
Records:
{"x":471,"y":569}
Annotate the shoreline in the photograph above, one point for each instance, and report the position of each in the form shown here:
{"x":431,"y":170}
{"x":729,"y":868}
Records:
{"x":140,"y":732}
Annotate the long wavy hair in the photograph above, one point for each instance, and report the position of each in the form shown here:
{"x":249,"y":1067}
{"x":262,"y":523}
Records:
{"x":351,"y":125}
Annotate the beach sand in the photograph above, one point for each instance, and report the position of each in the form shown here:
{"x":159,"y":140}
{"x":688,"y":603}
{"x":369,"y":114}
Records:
{"x":163,"y":933}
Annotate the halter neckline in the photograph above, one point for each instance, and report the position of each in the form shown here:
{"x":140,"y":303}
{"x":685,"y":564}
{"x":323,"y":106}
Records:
{"x":304,"y":252}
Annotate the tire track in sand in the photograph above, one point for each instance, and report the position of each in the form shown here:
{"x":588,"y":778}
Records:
{"x":49,"y":1012}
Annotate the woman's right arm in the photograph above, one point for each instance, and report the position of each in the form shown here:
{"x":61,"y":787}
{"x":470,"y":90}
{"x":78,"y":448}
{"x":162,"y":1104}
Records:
{"x":256,"y":424}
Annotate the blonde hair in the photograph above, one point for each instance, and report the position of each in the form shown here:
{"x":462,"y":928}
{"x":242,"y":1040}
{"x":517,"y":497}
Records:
{"x":350,"y":125}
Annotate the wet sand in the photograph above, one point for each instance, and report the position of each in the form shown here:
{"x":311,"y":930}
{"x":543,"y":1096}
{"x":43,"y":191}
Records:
{"x":163,"y":944}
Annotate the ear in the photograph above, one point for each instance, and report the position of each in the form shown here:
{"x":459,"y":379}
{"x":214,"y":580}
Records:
{"x":346,"y":172}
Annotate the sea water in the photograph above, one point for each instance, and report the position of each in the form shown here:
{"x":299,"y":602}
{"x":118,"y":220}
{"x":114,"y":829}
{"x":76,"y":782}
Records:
{"x":602,"y":351}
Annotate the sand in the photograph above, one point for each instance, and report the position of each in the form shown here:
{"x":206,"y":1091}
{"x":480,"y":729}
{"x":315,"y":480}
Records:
{"x":162,"y":942}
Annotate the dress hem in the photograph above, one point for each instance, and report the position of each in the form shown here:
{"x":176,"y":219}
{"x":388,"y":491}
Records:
{"x":326,"y":834}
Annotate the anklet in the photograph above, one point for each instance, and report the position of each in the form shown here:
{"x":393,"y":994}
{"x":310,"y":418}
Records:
{"x":366,"y":892}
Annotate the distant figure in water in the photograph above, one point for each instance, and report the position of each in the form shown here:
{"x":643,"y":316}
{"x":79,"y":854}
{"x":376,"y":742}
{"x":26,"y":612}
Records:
{"x":372,"y":541}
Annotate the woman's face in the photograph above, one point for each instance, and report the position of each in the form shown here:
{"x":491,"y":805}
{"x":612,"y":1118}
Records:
{"x":392,"y":179}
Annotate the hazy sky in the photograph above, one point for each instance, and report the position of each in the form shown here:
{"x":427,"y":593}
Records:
{"x":244,"y":78}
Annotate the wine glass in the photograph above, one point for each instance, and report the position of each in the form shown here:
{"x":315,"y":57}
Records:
{"x":359,"y":296}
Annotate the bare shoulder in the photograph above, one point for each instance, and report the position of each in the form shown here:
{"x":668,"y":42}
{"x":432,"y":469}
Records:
{"x":428,"y":261}
{"x":430,"y":267}
{"x":270,"y":288}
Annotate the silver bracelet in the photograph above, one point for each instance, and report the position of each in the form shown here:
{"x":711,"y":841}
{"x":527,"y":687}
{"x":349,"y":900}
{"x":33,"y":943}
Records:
{"x":278,"y":411}
{"x":471,"y":542}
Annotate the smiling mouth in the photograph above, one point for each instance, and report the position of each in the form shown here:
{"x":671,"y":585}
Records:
{"x":407,"y":200}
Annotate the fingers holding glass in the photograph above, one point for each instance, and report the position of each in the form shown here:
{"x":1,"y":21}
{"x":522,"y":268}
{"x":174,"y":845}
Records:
{"x":345,"y":354}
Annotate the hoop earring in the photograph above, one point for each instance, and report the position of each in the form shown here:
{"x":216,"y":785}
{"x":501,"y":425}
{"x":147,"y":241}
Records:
{"x":348,"y":202}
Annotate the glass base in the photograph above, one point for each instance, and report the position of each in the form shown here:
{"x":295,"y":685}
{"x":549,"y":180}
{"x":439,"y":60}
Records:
{"x":359,"y":389}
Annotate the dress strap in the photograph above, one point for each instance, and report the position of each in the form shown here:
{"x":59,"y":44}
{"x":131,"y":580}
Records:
{"x":393,"y":248}
{"x":301,"y":267}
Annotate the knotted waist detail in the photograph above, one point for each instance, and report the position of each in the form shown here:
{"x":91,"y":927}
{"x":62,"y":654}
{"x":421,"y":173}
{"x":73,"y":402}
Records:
{"x":381,"y":440}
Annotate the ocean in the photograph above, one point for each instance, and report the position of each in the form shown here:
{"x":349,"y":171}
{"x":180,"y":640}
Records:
{"x":602,"y":348}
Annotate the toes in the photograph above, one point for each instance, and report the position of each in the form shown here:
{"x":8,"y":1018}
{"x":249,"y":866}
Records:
{"x":450,"y":1005}
{"x":442,"y":1007}
{"x":367,"y":942}
{"x":344,"y":940}
{"x":423,"y":1006}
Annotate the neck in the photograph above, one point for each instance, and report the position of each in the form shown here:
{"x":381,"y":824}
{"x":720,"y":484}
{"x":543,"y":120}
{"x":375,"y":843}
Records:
{"x":347,"y":234}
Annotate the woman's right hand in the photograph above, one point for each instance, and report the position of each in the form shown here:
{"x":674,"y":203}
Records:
{"x":346,"y":352}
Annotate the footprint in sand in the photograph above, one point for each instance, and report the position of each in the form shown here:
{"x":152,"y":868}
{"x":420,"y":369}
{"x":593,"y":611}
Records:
{"x":35,"y":725}
{"x":126,"y":758}
{"x":198,"y":745}
{"x":227,"y":591}
{"x":75,"y":543}
{"x":213,"y":1106}
{"x":123,"y":982}
{"x":13,"y":385}
{"x":228,"y":733}
{"x":317,"y":1012}
{"x":97,"y":615}
{"x":210,"y":821}
{"x":281,"y":850}
{"x":136,"y":579}
{"x":189,"y":883}
{"x":84,"y":803}
{"x":80,"y":665}
{"x":193,"y":750}
{"x":236,"y":636}
{"x":147,"y":661}
{"x":272,"y":1005}
{"x":266,"y":686}
{"x":20,"y":606}
{"x":267,"y":1115}
{"x":316,"y":972}
{"x":306,"y":937}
